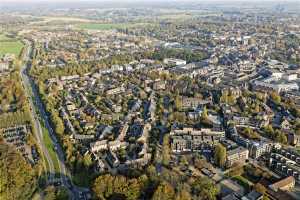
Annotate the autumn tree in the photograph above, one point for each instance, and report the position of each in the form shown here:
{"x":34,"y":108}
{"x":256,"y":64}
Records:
{"x":220,"y":155}
{"x":183,"y":195}
{"x":204,"y":188}
{"x":107,"y":186}
{"x":166,"y":150}
{"x":164,"y":192}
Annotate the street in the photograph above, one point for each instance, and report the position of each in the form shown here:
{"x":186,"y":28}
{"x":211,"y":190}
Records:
{"x":36,"y":106}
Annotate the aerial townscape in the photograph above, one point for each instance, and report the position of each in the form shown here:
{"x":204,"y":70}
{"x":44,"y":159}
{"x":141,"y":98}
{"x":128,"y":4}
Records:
{"x":150,"y":100}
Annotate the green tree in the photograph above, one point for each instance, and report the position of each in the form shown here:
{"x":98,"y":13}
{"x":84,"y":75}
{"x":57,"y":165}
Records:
{"x":178,"y":102}
{"x":220,"y":155}
{"x":204,"y":113}
{"x":280,"y":137}
{"x":275,"y":97}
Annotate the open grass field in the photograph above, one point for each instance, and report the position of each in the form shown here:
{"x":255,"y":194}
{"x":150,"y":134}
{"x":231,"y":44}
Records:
{"x":10,"y":45}
{"x":95,"y":26}
{"x":50,"y":146}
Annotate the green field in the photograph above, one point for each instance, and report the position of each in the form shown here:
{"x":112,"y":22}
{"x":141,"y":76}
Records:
{"x":93,"y":26}
{"x":50,"y":146}
{"x":10,"y":45}
{"x":245,"y":183}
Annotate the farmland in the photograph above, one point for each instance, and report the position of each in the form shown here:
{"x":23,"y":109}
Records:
{"x":10,"y":45}
{"x":96,"y":26}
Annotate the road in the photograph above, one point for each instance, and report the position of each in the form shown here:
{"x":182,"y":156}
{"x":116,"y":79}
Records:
{"x":36,"y":106}
{"x":36,"y":125}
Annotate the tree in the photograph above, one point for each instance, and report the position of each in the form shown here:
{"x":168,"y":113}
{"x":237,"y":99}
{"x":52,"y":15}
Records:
{"x":249,"y":133}
{"x":260,"y":188}
{"x":49,"y":193}
{"x":280,"y":137}
{"x":204,"y":118}
{"x":164,"y":192}
{"x":108,"y":186}
{"x":178,"y":103}
{"x":166,"y":150}
{"x":62,"y":194}
{"x":236,"y":170}
{"x":17,"y":179}
{"x":87,"y":160}
{"x":183,"y":195}
{"x":269,"y":131}
{"x":220,"y":155}
{"x":204,"y":113}
{"x":275,"y":97}
{"x":205,"y":189}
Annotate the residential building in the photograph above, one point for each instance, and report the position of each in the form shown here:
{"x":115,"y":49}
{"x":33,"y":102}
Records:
{"x":190,"y":102}
{"x":286,"y":184}
{"x":238,"y":155}
{"x":99,"y":146}
{"x":4,"y":66}
{"x":253,"y":195}
{"x":259,"y":148}
{"x":189,"y":139}
{"x":173,"y":61}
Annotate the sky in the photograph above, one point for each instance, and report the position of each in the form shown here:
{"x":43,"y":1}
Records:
{"x":61,"y":1}
{"x":80,"y":3}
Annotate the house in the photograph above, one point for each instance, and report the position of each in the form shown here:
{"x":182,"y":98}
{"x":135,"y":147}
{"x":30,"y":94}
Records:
{"x":68,"y":78}
{"x":145,"y":133}
{"x":293,"y":139}
{"x":115,"y":145}
{"x":238,"y":155}
{"x":231,"y":196}
{"x":253,"y":195}
{"x":189,"y":139}
{"x":98,"y":146}
{"x":285,"y":124}
{"x":123,"y":131}
{"x":286,"y":184}
{"x":140,"y":162}
{"x":258,"y":149}
{"x":190,"y":102}
{"x":112,"y":159}
{"x":173,"y":61}
{"x":115,"y":91}
{"x":70,"y":106}
{"x":159,"y":85}
{"x":4,"y":66}
{"x":82,"y":137}
{"x":100,"y":165}
{"x":231,"y":188}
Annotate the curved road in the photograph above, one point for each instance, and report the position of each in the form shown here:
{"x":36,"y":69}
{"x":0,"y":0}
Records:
{"x":36,"y":106}
{"x":36,"y":124}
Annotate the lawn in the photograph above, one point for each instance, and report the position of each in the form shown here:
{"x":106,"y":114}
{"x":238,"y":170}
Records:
{"x":93,"y":26}
{"x":10,"y":45}
{"x":243,"y":182}
{"x":297,"y":149}
{"x":50,"y":146}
